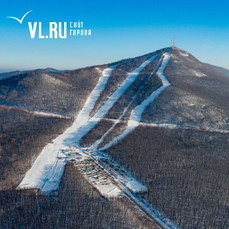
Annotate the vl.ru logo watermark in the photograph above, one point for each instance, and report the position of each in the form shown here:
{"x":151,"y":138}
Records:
{"x":56,"y":29}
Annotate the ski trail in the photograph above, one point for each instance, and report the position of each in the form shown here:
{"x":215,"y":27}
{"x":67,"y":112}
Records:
{"x":46,"y":114}
{"x":136,"y":113}
{"x":83,"y":115}
{"x":132,"y":76}
{"x":40,"y":174}
{"x":47,"y":170}
{"x":35,"y":112}
{"x":185,"y":127}
{"x":94,"y":147}
{"x":96,"y":144}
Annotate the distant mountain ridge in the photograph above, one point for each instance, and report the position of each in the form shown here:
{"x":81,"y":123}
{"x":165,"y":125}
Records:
{"x":51,"y":70}
{"x":220,"y":69}
{"x":5,"y":75}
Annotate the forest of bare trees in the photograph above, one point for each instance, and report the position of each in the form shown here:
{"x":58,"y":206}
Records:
{"x":76,"y":205}
{"x":185,"y":170}
{"x":186,"y":173}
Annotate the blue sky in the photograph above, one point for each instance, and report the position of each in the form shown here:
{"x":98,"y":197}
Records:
{"x":120,"y":29}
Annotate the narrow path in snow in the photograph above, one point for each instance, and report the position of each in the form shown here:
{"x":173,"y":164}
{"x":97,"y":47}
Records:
{"x":136,"y":113}
{"x":132,"y":76}
{"x":175,"y":126}
{"x":185,"y":127}
{"x":96,"y":144}
{"x":34,"y":112}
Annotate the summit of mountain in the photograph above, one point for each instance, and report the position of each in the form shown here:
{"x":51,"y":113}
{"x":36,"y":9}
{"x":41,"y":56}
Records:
{"x":197,"y":95}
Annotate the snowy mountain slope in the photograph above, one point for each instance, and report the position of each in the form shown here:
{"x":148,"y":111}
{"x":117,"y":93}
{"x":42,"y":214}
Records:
{"x":220,"y":69}
{"x":143,"y":86}
{"x":167,"y":90}
{"x":118,"y":75}
{"x":61,"y":95}
{"x":64,"y":94}
{"x":46,"y":172}
{"x":38,"y":175}
{"x":198,"y":95}
{"x":136,"y":113}
{"x":5,"y":75}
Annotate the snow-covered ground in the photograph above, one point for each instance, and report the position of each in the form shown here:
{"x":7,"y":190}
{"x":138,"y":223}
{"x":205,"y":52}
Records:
{"x":52,"y":80}
{"x":47,"y":170}
{"x":96,"y":144}
{"x":35,"y":112}
{"x":108,"y":177}
{"x":103,"y":173}
{"x":83,"y":115}
{"x":184,"y":127}
{"x":135,"y":186}
{"x":43,"y":174}
{"x":183,"y":53}
{"x":47,"y":114}
{"x":136,"y":113}
{"x":132,"y":76}
{"x":197,"y":73}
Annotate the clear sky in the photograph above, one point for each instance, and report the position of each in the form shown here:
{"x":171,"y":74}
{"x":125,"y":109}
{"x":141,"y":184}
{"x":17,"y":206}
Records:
{"x":120,"y":29}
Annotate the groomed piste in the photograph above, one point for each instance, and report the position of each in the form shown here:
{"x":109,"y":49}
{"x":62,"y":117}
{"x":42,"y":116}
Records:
{"x":107,"y":177}
{"x":46,"y":163}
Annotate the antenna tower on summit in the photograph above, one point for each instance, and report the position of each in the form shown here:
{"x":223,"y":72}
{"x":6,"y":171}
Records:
{"x":173,"y":42}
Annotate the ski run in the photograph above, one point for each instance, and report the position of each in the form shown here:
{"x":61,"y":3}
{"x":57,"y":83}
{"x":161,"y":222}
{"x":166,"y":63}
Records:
{"x":110,"y":179}
{"x":136,"y":113}
{"x":43,"y":174}
{"x":47,"y":162}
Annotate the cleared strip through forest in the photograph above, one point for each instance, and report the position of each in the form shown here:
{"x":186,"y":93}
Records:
{"x":39,"y":174}
{"x":35,"y":112}
{"x":151,"y":215}
{"x":44,"y":173}
{"x":46,"y":176}
{"x":174,"y":126}
{"x":132,"y":76}
{"x":96,"y":144}
{"x":136,"y":113}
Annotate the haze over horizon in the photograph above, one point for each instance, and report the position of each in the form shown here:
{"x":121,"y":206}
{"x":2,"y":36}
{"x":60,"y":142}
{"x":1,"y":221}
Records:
{"x":120,"y":29}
